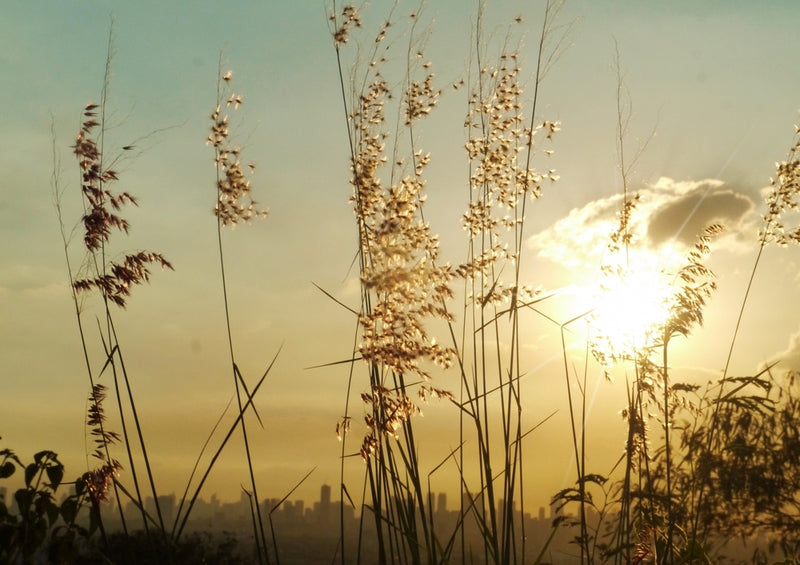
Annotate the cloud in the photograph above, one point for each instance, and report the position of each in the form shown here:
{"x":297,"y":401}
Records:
{"x":580,"y":237}
{"x":669,"y":213}
{"x":686,"y":215}
{"x":31,"y":279}
{"x":789,"y":358}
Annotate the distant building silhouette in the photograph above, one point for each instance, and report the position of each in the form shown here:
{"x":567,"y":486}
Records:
{"x":324,"y":508}
{"x":326,"y":530}
{"x":167,"y":504}
{"x":441,"y":503}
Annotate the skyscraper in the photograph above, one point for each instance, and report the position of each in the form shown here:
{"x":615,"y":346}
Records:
{"x":441,"y":503}
{"x":324,"y":515}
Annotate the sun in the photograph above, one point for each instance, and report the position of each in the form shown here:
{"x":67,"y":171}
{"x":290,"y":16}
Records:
{"x":631,"y":304}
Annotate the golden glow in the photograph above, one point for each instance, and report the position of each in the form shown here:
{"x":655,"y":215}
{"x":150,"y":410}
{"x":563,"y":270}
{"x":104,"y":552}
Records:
{"x":631,"y":304}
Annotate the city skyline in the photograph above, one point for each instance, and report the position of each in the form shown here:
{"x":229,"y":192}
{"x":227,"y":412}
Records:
{"x":312,"y":532}
{"x":295,"y":507}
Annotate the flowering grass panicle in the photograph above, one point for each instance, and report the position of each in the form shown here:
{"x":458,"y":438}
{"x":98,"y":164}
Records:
{"x":350,"y":18}
{"x":399,"y":270}
{"x":696,"y":286}
{"x":404,"y":285}
{"x":116,"y":278}
{"x":96,"y":421}
{"x":636,"y":445}
{"x":421,"y":96}
{"x":498,"y":150}
{"x":98,"y":481}
{"x":503,"y":135}
{"x":404,"y":288}
{"x":391,"y":409}
{"x":782,"y":196}
{"x":234,"y":203}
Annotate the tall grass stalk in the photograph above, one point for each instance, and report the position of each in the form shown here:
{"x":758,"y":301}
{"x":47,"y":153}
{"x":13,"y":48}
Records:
{"x":646,"y":524}
{"x":181,"y":520}
{"x":234,"y":205}
{"x":113,"y":280}
{"x":405,"y":288}
{"x":500,"y":151}
{"x":401,"y":287}
{"x":782,"y":197}
{"x":66,"y":238}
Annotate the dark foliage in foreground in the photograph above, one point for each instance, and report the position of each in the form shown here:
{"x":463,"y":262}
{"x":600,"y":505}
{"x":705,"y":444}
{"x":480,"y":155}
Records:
{"x":195,"y":548}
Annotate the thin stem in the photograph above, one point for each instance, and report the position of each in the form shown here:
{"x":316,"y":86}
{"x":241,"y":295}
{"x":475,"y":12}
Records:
{"x":667,"y":454}
{"x":723,"y":380}
{"x":259,"y":533}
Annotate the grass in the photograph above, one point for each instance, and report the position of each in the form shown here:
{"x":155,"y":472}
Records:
{"x":701,"y":465}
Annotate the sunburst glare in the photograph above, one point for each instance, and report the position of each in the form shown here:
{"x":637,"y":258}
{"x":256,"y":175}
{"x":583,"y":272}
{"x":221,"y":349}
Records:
{"x":632,"y":302}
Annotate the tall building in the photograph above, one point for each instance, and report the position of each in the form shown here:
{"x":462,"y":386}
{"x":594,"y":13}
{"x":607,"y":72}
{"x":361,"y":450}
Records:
{"x":167,"y":504}
{"x":324,"y":515}
{"x":441,"y":503}
{"x":466,"y":502}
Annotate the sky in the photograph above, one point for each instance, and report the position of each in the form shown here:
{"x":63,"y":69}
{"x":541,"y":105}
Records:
{"x":712,"y":95}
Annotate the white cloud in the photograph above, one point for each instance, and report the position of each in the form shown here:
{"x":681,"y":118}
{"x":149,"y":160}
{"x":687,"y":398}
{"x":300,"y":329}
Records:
{"x":668,"y":213}
{"x":789,"y":358}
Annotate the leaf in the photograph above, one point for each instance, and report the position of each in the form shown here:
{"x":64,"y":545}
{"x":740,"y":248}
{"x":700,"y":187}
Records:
{"x":7,"y":469}
{"x":52,"y":510}
{"x":45,"y":454}
{"x":24,"y":498}
{"x":69,"y":509}
{"x":593,"y":478}
{"x":94,"y":518}
{"x":8,"y":454}
{"x":30,"y":472}
{"x":80,"y":484}
{"x":55,"y":473}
